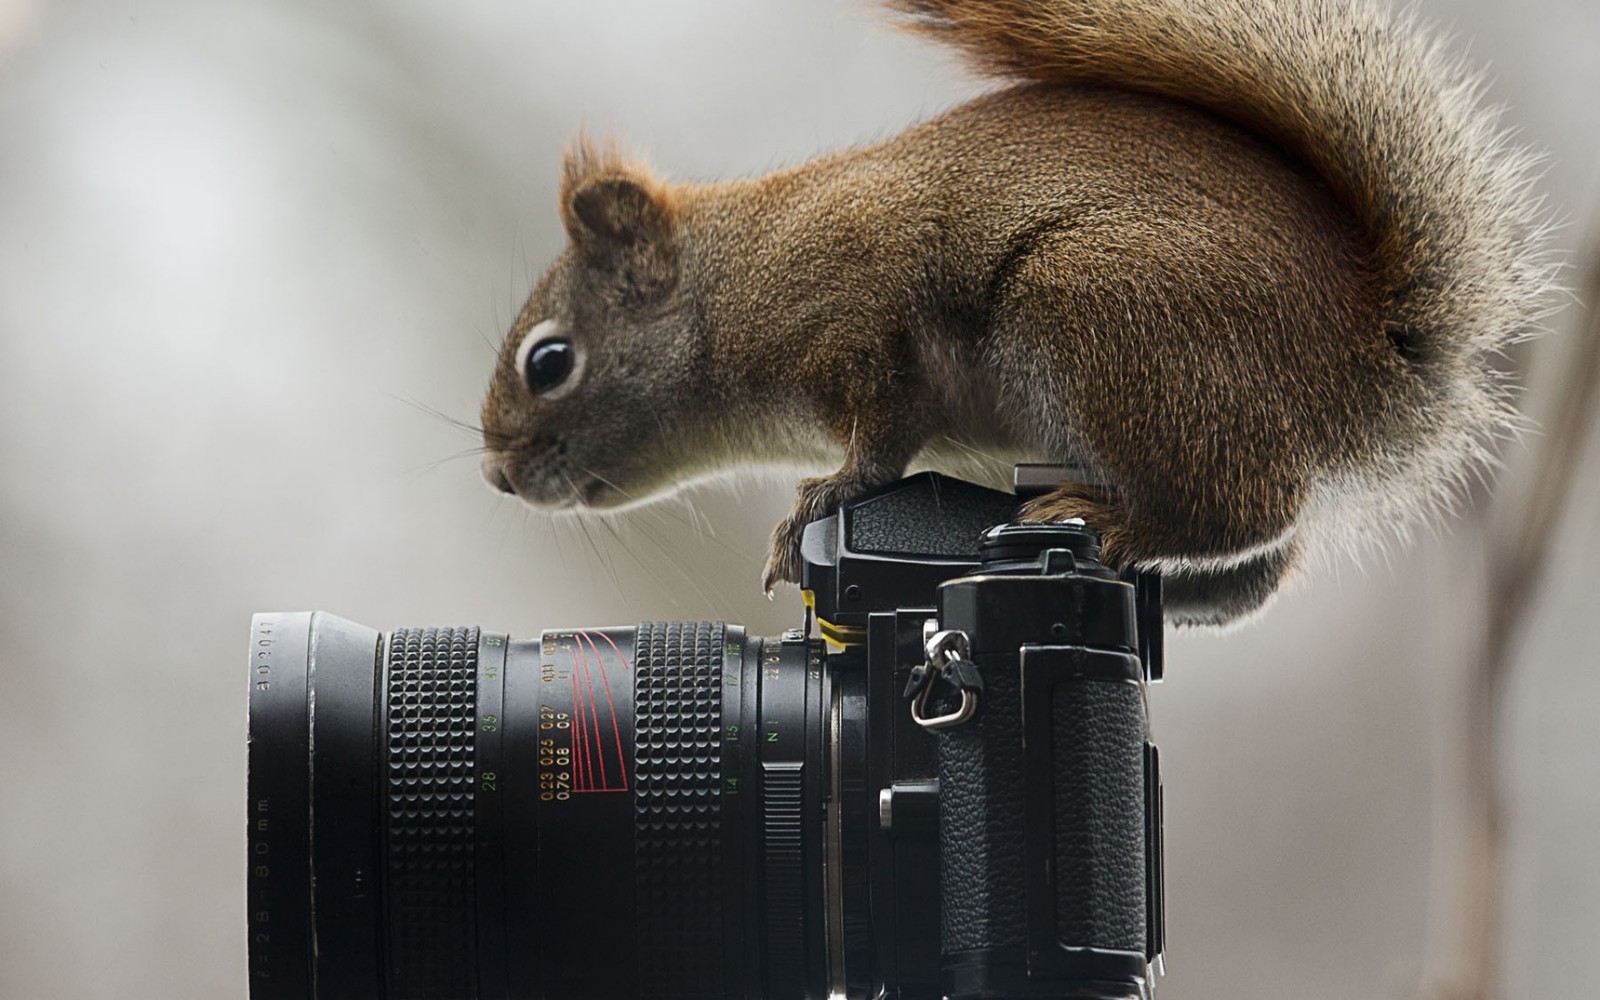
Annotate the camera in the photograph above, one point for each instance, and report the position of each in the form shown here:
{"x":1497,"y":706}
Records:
{"x":951,"y":793}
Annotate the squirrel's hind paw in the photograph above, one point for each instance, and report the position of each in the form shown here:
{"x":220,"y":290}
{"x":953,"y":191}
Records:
{"x":1098,"y":509}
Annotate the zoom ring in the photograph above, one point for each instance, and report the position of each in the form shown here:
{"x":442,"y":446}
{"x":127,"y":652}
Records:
{"x":678,"y":807}
{"x":431,"y":689}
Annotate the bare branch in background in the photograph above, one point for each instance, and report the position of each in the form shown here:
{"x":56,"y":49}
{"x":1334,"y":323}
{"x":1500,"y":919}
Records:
{"x":1515,"y":572}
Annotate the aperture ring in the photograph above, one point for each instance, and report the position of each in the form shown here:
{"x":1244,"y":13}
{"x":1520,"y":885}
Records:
{"x":790,"y":745}
{"x":430,"y":686}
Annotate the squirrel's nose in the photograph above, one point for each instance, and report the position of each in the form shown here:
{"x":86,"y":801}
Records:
{"x":494,"y":472}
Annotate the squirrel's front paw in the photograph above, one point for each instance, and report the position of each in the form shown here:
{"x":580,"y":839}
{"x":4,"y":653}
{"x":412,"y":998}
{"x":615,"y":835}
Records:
{"x":783,"y":561}
{"x":816,"y":498}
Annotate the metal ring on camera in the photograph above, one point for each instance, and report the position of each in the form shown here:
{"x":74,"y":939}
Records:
{"x":960,"y":717}
{"x":943,"y":647}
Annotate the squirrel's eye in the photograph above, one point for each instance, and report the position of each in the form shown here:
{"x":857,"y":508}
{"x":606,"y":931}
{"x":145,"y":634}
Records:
{"x":545,"y":361}
{"x":548,"y":364}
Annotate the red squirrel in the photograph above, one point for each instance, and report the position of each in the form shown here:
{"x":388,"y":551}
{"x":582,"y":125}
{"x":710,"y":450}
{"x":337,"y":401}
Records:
{"x":1246,"y":261}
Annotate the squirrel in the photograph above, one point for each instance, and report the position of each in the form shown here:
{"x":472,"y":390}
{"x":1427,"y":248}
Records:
{"x":1247,"y":262}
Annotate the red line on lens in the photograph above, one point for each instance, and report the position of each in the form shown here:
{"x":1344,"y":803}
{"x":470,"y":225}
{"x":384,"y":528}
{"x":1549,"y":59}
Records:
{"x":616,"y":730}
{"x":594,"y":704}
{"x":587,"y":687}
{"x":594,"y":710}
{"x":578,"y":714}
{"x":625,"y":664}
{"x":578,"y":709}
{"x":573,"y":737}
{"x":581,"y":777}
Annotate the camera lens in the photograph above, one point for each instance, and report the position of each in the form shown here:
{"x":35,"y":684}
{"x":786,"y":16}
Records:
{"x":608,"y":812}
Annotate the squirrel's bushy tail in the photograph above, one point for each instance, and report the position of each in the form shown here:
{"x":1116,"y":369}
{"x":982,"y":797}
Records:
{"x":1395,"y":125}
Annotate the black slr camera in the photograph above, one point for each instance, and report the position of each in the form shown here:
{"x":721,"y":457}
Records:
{"x":953,"y":795}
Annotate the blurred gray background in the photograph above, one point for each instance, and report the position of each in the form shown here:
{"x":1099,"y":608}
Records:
{"x":247,"y":248}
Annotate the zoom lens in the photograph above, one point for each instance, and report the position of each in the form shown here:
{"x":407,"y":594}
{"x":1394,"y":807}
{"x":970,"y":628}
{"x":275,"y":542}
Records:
{"x":449,"y":813}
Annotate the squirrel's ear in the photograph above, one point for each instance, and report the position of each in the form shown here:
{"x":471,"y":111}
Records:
{"x":620,"y":221}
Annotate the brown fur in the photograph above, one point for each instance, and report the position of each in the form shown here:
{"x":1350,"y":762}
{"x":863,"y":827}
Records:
{"x":1054,"y":271}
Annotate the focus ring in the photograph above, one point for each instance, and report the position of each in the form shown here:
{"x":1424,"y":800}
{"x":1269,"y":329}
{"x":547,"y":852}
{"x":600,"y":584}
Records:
{"x":677,"y":683}
{"x":430,"y":830}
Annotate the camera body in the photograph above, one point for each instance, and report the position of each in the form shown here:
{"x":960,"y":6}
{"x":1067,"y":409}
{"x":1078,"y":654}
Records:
{"x":1042,"y":812}
{"x":953,"y":795}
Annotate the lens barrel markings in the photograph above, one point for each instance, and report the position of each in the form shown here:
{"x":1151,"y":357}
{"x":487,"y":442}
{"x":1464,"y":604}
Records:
{"x":595,"y":733}
{"x":278,"y":889}
{"x":493,"y":983}
{"x":790,"y":743}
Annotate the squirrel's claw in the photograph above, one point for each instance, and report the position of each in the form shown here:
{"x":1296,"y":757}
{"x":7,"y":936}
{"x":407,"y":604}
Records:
{"x":783,"y":561}
{"x":815,"y":498}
